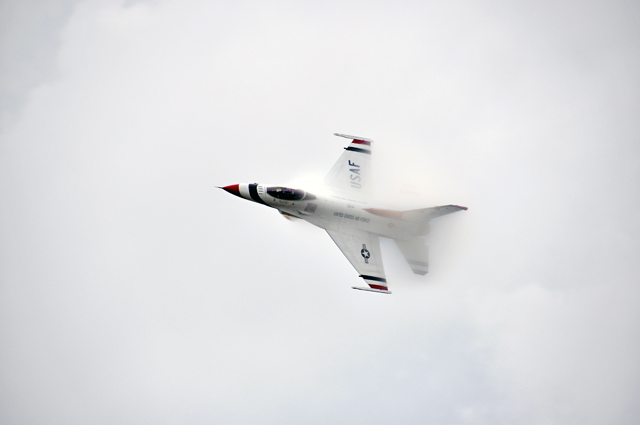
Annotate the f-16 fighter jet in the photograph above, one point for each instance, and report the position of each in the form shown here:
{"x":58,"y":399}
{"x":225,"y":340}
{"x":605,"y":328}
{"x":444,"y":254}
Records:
{"x":350,"y":221}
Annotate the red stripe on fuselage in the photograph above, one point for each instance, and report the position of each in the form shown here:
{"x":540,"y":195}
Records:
{"x":385,"y":213}
{"x":361,"y":142}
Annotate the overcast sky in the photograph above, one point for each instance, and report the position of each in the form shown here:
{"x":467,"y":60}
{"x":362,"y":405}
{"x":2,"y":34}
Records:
{"x":132,"y":291}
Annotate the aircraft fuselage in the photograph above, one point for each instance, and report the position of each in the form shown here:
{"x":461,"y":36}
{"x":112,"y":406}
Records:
{"x":330,"y":212}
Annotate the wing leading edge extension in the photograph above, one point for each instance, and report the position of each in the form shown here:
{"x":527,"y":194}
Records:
{"x":362,"y":249}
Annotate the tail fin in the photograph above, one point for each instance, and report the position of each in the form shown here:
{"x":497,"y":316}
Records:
{"x":416,"y":253}
{"x":414,"y":250}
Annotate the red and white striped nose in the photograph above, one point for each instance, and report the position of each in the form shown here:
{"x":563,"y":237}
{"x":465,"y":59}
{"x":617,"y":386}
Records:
{"x":246,"y":191}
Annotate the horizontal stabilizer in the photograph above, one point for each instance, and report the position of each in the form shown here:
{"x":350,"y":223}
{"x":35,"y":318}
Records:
{"x":426,"y":214}
{"x":380,"y":291}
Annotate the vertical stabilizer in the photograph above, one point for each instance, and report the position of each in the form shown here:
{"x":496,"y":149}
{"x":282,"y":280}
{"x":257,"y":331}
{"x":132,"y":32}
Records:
{"x":416,"y":253}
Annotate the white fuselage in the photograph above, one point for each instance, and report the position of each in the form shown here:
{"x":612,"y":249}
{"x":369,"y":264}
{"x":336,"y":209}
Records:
{"x":332,"y":212}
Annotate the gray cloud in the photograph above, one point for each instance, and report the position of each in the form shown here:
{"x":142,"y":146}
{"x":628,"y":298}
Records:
{"x":133,"y":291}
{"x":29,"y":41}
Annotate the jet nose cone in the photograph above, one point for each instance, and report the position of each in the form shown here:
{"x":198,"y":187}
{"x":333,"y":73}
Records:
{"x":233,"y":189}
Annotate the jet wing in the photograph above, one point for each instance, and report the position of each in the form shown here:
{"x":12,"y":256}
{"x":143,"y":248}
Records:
{"x":362,"y":249}
{"x":350,"y":177}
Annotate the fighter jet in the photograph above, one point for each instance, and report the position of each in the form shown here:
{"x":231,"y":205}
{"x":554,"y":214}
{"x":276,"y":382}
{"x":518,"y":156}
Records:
{"x":353,"y":224}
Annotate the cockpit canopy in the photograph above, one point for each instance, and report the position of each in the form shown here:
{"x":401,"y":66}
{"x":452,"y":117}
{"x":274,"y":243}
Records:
{"x":288,"y":194}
